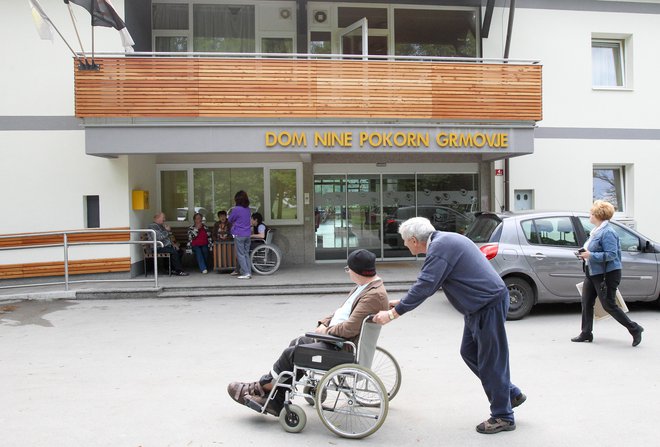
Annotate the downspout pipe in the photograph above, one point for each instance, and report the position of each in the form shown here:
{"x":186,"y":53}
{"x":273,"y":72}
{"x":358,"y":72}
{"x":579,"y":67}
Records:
{"x":507,"y":46}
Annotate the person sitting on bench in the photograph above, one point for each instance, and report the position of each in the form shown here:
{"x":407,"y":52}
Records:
{"x":163,"y":235}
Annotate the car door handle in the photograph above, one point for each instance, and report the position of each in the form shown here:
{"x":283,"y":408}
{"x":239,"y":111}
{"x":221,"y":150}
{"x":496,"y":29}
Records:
{"x":538,"y":256}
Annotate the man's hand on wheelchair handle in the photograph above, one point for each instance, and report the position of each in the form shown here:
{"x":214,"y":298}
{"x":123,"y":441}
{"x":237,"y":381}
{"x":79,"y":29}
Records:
{"x":385,"y":316}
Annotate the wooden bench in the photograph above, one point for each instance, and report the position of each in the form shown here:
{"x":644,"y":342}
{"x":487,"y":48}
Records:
{"x":148,"y":255}
{"x":177,"y":235}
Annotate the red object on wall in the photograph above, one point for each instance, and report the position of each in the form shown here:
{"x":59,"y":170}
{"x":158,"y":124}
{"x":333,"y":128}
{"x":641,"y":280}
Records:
{"x":499,"y":171}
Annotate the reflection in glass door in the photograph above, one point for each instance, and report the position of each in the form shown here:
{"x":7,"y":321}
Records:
{"x":365,"y":210}
{"x":398,"y":205}
{"x":330,"y":216}
{"x":364,"y":215}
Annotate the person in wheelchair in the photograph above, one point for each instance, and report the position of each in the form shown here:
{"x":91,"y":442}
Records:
{"x":259,"y":230}
{"x":367,"y":298}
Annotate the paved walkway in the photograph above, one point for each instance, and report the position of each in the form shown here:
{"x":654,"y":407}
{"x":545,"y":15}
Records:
{"x":289,"y":279}
{"x":153,"y":373}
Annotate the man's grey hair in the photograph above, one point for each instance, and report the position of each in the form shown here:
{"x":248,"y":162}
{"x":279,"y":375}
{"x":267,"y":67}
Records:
{"x":418,"y":227}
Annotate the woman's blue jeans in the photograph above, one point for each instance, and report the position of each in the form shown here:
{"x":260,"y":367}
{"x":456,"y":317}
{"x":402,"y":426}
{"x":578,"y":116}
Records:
{"x":202,"y":254}
{"x":243,"y":254}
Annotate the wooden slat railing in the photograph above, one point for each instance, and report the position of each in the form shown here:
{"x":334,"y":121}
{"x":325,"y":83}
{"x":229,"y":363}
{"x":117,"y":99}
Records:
{"x":297,"y":88}
{"x":56,"y":268}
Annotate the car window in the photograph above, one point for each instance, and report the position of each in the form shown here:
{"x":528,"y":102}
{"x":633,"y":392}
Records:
{"x":629,"y":241}
{"x":482,"y":229}
{"x":550,"y":231}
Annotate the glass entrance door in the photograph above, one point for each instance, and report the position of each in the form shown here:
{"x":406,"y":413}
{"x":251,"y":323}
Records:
{"x":365,"y":210}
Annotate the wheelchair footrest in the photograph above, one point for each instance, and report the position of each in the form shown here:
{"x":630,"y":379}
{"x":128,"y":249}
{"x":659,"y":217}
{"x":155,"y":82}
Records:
{"x":255,"y":406}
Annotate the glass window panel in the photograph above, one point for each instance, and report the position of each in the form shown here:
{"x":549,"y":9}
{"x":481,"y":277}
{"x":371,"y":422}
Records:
{"x":551,"y":231}
{"x":166,"y":44}
{"x":283,"y":194}
{"x":277,"y":45}
{"x":174,"y":194}
{"x":215,"y":189}
{"x":448,"y":200}
{"x":223,"y":28}
{"x":608,"y":185}
{"x":606,"y":63}
{"x":629,"y":242}
{"x":170,"y":16}
{"x":398,"y":199}
{"x":320,"y":42}
{"x":330,"y":206}
{"x":422,"y":32}
{"x":376,"y":17}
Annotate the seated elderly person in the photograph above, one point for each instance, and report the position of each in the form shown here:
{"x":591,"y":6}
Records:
{"x":163,"y":235}
{"x":367,"y":298}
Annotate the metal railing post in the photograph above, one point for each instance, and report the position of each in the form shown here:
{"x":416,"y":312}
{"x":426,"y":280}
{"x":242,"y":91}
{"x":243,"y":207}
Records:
{"x":153,"y":232}
{"x":66,"y":263}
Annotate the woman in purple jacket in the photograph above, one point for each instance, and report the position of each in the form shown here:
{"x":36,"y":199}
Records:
{"x":241,"y":229}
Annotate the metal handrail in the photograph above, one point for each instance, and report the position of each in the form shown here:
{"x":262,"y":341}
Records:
{"x":293,"y":56}
{"x":66,"y":244}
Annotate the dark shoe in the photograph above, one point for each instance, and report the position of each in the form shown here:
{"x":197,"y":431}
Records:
{"x":180,"y":273}
{"x":518,"y":400}
{"x":235,"y":273}
{"x":637,"y":335}
{"x":495,"y":425}
{"x":583,"y":337}
{"x":240,"y":390}
{"x":257,"y":404}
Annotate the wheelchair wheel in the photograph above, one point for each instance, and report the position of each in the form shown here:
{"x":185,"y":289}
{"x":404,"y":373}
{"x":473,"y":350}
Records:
{"x":265,"y":259}
{"x":342,"y":412}
{"x":294,"y":420}
{"x":388,"y":371}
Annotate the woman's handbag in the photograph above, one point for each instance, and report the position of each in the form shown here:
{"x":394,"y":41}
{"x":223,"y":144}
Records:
{"x":599,"y":312}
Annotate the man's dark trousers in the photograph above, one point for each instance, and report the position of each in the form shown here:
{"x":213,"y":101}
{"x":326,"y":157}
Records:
{"x":486,"y":352}
{"x":174,"y":257}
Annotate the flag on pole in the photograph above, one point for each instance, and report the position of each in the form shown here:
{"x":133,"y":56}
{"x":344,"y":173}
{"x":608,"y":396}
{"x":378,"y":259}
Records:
{"x":104,"y":14}
{"x":44,"y":28}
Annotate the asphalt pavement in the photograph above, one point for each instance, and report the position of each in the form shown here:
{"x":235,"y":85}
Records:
{"x":153,"y":373}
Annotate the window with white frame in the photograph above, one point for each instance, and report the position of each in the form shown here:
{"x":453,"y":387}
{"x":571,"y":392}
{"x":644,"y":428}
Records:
{"x":608,"y":184}
{"x":274,"y":191}
{"x":610,"y":61}
{"x":224,"y":26}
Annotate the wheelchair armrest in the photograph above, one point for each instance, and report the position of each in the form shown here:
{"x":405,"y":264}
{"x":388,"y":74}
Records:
{"x":325,"y":337}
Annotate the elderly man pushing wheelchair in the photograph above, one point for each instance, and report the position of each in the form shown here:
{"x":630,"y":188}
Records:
{"x":475,"y":289}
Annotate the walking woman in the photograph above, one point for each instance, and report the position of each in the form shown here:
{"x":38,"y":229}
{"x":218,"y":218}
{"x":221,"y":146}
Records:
{"x":602,"y":256}
{"x":241,"y":229}
{"x":199,"y":240}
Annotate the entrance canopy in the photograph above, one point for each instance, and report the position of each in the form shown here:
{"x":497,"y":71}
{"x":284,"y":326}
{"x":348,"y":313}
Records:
{"x":486,"y":142}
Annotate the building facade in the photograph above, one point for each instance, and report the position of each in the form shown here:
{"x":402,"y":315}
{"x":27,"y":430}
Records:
{"x":340,"y":119}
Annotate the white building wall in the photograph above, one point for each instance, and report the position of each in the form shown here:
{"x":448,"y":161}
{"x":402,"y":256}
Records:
{"x":44,"y":174}
{"x":560,"y":170}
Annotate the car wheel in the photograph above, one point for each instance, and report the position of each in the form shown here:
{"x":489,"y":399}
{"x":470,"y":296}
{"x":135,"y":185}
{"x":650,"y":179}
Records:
{"x":521,"y":295}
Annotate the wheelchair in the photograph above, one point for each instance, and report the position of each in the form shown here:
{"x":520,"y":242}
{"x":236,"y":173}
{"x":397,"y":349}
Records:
{"x":266,"y":256}
{"x":345,"y":387}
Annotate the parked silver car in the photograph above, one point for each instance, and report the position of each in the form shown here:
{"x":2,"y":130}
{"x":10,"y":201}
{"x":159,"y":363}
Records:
{"x":534,"y":252}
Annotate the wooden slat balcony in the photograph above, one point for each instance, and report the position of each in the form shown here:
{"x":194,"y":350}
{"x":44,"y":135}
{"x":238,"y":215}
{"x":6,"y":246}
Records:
{"x":309,"y":89}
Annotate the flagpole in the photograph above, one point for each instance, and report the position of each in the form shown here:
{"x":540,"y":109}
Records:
{"x":73,"y":20}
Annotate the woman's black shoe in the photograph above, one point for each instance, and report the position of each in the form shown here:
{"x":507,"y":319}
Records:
{"x":637,"y":335}
{"x":583,"y":337}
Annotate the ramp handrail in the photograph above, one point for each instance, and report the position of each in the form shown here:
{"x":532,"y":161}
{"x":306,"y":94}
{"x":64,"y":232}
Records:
{"x":66,"y":244}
